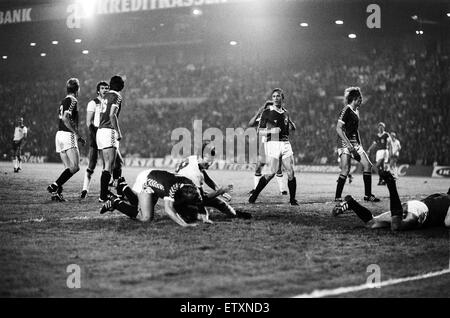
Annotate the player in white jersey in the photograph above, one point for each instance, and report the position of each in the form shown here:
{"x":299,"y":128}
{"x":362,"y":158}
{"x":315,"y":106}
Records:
{"x":254,"y":122}
{"x":394,"y":153}
{"x":194,"y":168}
{"x":93,"y":121}
{"x":20,"y":135}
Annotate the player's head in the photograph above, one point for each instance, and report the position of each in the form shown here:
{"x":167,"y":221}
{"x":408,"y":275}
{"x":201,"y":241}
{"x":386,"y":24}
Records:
{"x":393,"y":135}
{"x":20,"y":121}
{"x":353,"y":95}
{"x":102,"y":88}
{"x":381,"y":127}
{"x":277,"y":96}
{"x":208,"y":154}
{"x":187,"y":212}
{"x":188,"y":194}
{"x":73,"y":86}
{"x":116,"y":83}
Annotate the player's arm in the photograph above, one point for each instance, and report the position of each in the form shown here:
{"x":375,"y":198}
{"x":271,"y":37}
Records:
{"x":253,"y":121}
{"x":90,"y":111}
{"x":292,"y":124}
{"x":342,"y":135}
{"x":371,"y":146}
{"x":209,"y":182}
{"x":25,"y":134}
{"x":170,"y":210}
{"x":67,"y":120}
{"x":217,"y":189}
{"x":115,"y":120}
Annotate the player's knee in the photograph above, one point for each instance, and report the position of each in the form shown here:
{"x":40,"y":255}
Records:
{"x":74,"y":169}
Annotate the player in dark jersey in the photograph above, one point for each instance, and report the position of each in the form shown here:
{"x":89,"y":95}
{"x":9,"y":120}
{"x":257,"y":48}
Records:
{"x":349,"y":144}
{"x":66,"y":138}
{"x":382,"y":143}
{"x":254,"y":122}
{"x":109,"y":134}
{"x":93,"y":121}
{"x":275,"y":124}
{"x":181,"y":198}
{"x":432,"y":211}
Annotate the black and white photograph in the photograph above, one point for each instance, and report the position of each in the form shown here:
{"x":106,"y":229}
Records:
{"x":224,"y":154}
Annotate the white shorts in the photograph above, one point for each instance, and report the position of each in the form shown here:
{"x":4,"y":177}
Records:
{"x":65,"y":140}
{"x":382,"y":154}
{"x":107,"y":138}
{"x":141,"y":180}
{"x":279,"y":149}
{"x":358,"y":148}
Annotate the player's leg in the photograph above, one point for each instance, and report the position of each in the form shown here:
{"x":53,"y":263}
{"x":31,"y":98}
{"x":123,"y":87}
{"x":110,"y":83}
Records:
{"x":345,"y":170}
{"x":19,"y":156}
{"x":367,"y":176}
{"x":288,"y":164}
{"x":265,"y":179}
{"x":117,"y":168}
{"x":281,"y":180}
{"x":56,"y":187}
{"x":394,"y":200}
{"x":220,"y":204}
{"x":93,"y":157}
{"x":349,"y":203}
{"x":15,"y":161}
{"x":109,"y":156}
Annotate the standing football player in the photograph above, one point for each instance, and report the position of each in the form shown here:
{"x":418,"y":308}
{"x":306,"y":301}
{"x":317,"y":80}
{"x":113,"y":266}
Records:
{"x":382,"y":143}
{"x":93,"y":121}
{"x":275,"y":124}
{"x":395,"y":152}
{"x":254,"y":122}
{"x":349,"y":144}
{"x":20,"y":136}
{"x":66,"y":139}
{"x":109,"y":133}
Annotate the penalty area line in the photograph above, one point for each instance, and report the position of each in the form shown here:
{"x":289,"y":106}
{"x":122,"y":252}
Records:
{"x":352,"y":289}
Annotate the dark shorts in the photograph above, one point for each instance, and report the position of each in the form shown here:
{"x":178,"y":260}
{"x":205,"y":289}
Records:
{"x":17,"y":146}
{"x":93,"y":136}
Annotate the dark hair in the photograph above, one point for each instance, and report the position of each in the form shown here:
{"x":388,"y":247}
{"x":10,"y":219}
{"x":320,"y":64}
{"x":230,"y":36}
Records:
{"x":187,"y":194}
{"x":72,"y":85}
{"x":211,"y":147}
{"x":101,"y":83}
{"x":116,"y":83}
{"x":187,"y":212}
{"x":351,"y":94}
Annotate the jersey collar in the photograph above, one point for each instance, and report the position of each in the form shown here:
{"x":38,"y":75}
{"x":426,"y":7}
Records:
{"x":280,"y":110}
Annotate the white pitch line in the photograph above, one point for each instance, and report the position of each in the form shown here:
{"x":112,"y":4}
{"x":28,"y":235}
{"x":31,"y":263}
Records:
{"x":351,"y":289}
{"x":42,"y":219}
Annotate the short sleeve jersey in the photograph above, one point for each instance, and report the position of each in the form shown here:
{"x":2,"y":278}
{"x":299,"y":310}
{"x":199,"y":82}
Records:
{"x":162,"y":184}
{"x":350,"y":124}
{"x":382,"y":141}
{"x":112,"y":99}
{"x":68,"y":104}
{"x":276,"y":117}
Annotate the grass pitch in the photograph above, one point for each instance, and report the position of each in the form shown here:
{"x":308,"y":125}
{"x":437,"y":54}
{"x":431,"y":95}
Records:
{"x":283,"y":251}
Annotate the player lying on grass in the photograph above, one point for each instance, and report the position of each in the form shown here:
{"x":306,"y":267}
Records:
{"x":181,"y":198}
{"x":194,"y":168}
{"x":434,"y":210}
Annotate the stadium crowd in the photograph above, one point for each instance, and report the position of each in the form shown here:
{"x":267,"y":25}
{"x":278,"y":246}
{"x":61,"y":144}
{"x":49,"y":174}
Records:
{"x":408,"y":90}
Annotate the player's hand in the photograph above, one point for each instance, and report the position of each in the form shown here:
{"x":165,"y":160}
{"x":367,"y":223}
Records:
{"x":81,"y":140}
{"x":355,"y":154}
{"x":119,"y":137}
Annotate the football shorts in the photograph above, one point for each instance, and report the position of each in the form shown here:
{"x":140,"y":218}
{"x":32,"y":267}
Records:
{"x":17,"y":146}
{"x":419,"y":209}
{"x":382,"y":154}
{"x":141,"y":180}
{"x":107,"y":138}
{"x":345,"y":150}
{"x":279,"y":149}
{"x":65,"y":140}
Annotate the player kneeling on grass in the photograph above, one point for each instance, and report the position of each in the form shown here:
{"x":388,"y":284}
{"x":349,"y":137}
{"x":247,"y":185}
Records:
{"x":194,"y":168}
{"x":434,"y":210}
{"x":181,"y":198}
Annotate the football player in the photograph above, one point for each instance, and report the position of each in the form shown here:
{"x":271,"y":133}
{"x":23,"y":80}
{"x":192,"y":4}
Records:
{"x":93,"y":121}
{"x":349,"y":144}
{"x":434,"y":210}
{"x":66,"y":139}
{"x":254,"y":122}
{"x":383,"y":144}
{"x":275,"y":124}
{"x":194,"y":168}
{"x":394,"y":153}
{"x":181,"y":198}
{"x":109,"y":133}
{"x":20,"y":135}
